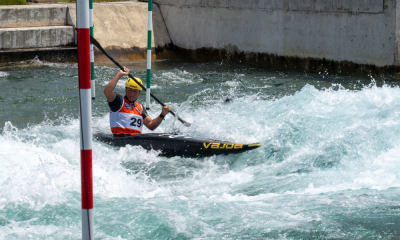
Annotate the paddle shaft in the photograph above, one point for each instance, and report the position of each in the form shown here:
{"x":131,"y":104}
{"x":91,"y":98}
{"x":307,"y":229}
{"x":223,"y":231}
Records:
{"x":97,"y":44}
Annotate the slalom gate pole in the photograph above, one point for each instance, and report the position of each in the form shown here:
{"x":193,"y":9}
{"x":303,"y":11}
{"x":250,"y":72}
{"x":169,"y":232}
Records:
{"x":85,"y":112}
{"x":92,"y":75}
{"x":149,"y":33}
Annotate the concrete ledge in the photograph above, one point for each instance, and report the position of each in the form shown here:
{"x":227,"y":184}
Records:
{"x":55,"y":54}
{"x":353,"y":6}
{"x":282,"y":62}
{"x":12,"y":16}
{"x":36,"y":37}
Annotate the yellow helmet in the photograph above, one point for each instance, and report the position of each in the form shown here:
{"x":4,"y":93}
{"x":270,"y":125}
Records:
{"x":130,"y":83}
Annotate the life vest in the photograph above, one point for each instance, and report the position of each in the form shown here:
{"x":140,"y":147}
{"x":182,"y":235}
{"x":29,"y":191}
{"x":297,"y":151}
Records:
{"x":128,"y":119}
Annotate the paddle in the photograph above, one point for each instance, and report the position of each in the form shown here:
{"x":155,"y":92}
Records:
{"x":97,"y":44}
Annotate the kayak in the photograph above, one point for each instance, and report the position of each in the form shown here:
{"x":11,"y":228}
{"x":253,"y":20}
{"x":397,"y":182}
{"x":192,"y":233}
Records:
{"x":175,"y":145}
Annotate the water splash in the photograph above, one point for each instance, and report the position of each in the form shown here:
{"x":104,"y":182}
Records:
{"x":326,"y":168}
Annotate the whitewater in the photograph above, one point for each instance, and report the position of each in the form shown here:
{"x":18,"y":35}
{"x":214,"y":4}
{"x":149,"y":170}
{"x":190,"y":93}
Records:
{"x":327,"y":167}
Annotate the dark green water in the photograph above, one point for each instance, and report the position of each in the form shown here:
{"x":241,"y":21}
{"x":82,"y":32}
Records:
{"x":327,"y":168}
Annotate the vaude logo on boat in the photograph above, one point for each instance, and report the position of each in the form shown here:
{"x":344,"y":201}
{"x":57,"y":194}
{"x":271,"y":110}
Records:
{"x":224,"y":146}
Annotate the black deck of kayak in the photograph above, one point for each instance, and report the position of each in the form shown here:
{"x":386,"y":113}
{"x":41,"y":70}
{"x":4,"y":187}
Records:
{"x":176,"y":145}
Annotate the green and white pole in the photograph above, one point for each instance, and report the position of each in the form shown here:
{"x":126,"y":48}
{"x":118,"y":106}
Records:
{"x":92,"y":76}
{"x":149,"y":33}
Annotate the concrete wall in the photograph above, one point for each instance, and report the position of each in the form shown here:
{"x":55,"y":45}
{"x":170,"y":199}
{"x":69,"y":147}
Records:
{"x":46,"y":30}
{"x":285,"y":32}
{"x":13,"y":16}
{"x":35,"y":26}
{"x":121,"y":29}
{"x":355,"y":6}
{"x":35,"y":37}
{"x":36,"y":31}
{"x":341,"y":34}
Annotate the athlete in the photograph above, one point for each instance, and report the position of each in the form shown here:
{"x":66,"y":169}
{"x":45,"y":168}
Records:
{"x":128,"y":116}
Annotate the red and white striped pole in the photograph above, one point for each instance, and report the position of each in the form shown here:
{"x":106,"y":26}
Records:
{"x":85,"y":111}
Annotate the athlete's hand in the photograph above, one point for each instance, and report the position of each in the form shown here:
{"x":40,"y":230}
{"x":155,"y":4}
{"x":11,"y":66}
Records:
{"x":165,"y":110}
{"x":124,"y":73}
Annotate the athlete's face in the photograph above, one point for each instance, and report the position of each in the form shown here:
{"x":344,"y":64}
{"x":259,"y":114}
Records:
{"x":132,"y":94}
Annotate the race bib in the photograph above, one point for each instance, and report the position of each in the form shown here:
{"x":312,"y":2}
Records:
{"x":126,"y":120}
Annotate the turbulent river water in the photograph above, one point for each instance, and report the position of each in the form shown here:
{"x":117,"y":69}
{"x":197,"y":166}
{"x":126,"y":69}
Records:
{"x":328,"y":167}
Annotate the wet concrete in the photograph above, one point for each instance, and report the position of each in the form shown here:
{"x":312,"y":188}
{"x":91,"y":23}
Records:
{"x":282,"y":62}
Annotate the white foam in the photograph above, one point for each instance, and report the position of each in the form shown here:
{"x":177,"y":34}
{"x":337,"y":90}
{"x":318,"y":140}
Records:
{"x":3,"y":74}
{"x":176,"y":76}
{"x":26,"y":230}
{"x":314,"y":142}
{"x":31,"y":230}
{"x":231,"y":83}
{"x":34,"y":174}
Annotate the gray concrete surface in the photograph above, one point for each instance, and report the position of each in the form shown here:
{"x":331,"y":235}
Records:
{"x":351,"y":34}
{"x":36,"y":31}
{"x":363,"y":32}
{"x":120,"y":27}
{"x":34,"y":37}
{"x":38,"y":15}
{"x":353,"y":6}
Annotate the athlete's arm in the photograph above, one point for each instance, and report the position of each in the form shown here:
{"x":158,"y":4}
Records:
{"x":116,"y":105}
{"x":154,"y":123}
{"x":109,"y":89}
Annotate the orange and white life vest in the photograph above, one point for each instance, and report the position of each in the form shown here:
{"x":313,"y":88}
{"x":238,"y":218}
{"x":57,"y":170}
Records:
{"x":128,"y":119}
